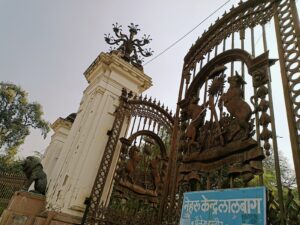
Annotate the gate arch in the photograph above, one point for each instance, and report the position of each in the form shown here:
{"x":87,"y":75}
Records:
{"x":253,"y":64}
{"x":231,"y":34}
{"x":150,"y":128}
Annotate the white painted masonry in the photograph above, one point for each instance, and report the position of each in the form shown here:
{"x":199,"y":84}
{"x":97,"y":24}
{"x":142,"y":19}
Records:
{"x":61,"y":128}
{"x":73,"y":174}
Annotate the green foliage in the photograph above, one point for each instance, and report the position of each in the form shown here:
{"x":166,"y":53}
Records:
{"x":9,"y":165}
{"x":288,"y":177}
{"x":17,"y":116}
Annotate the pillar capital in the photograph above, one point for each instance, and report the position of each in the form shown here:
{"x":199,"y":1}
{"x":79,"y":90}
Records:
{"x":111,"y":66}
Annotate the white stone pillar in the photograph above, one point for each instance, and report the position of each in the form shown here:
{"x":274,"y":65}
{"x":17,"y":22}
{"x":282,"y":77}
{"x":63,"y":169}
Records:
{"x":61,"y":128}
{"x":77,"y":167}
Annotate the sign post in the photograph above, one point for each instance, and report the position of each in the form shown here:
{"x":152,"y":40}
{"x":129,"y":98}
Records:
{"x":245,"y":206}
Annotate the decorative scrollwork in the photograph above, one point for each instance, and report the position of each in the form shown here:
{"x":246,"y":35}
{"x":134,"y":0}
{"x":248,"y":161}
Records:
{"x":129,"y":48}
{"x":288,"y":32}
{"x":126,"y":176}
{"x":247,"y":14}
{"x":291,"y":49}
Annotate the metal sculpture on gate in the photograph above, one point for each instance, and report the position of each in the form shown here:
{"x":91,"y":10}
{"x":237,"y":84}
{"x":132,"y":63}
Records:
{"x":220,"y":136}
{"x":140,"y":172}
{"x":223,"y":138}
{"x":222,"y":129}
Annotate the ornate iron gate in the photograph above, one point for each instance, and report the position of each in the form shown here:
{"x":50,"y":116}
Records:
{"x":142,"y":160}
{"x":224,"y":127}
{"x":222,"y":130}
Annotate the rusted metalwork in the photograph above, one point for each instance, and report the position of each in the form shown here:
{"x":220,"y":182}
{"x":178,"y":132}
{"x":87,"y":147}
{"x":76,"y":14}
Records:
{"x":288,"y":40}
{"x":9,"y":184}
{"x":95,"y":198}
{"x":118,"y":216}
{"x":196,"y":83}
{"x":142,"y":163}
{"x":247,"y":14}
{"x":274,"y":136}
{"x":212,"y":144}
{"x":130,"y":48}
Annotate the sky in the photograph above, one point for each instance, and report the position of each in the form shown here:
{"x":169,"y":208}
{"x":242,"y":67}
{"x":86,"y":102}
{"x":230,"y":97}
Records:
{"x":45,"y":46}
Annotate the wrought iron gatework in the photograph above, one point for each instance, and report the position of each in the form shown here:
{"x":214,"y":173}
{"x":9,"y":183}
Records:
{"x":217,"y":109}
{"x":93,"y":204}
{"x":288,"y":38}
{"x":223,"y":128}
{"x":142,"y":161}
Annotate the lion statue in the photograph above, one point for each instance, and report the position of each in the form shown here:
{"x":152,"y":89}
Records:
{"x":33,"y":170}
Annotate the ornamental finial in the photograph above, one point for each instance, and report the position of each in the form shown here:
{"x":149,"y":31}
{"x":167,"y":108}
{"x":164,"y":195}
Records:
{"x":128,"y":47}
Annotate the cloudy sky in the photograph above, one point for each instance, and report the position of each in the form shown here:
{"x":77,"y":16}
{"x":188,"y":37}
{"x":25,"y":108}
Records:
{"x":45,"y":46}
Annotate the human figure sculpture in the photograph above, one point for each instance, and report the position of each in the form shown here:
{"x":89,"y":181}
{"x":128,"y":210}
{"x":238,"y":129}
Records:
{"x":33,"y":170}
{"x":197,"y":114}
{"x":132,"y":162}
{"x":154,"y":165}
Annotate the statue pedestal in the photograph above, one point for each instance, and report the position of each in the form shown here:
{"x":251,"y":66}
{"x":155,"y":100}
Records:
{"x":26,"y":208}
{"x":23,"y":208}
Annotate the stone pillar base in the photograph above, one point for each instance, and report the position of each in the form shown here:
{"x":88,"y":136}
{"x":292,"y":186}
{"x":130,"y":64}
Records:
{"x":27,"y":208}
{"x":23,"y":208}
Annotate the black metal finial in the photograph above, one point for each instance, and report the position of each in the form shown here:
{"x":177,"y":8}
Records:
{"x":131,"y":49}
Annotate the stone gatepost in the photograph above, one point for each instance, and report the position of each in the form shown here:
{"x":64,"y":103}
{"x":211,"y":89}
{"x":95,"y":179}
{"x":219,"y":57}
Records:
{"x":75,"y":170}
{"x":61,"y":128}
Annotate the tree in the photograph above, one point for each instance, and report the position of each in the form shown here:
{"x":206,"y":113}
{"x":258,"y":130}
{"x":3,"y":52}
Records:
{"x":288,"y":177}
{"x":17,"y":116}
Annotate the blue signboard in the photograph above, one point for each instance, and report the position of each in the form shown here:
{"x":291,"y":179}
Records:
{"x":245,"y":206}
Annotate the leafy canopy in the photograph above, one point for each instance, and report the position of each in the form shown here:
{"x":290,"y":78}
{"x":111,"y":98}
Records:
{"x":17,"y":116}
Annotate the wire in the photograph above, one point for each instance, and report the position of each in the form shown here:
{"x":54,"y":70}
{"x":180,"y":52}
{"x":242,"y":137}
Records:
{"x":180,"y":39}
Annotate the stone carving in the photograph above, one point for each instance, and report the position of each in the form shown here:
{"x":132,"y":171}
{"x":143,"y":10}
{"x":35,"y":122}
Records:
{"x":33,"y":170}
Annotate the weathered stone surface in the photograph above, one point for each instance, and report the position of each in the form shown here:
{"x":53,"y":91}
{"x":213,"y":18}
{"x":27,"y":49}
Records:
{"x":23,"y":208}
{"x":26,"y":208}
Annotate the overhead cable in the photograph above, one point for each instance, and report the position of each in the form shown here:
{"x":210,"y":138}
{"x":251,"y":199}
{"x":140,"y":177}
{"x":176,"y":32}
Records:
{"x":180,"y":39}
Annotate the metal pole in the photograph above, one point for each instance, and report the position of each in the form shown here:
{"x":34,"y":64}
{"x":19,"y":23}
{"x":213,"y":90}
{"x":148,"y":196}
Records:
{"x":242,"y":38}
{"x":274,"y":137}
{"x":232,"y":47}
{"x":261,"y":180}
{"x":170,"y":184}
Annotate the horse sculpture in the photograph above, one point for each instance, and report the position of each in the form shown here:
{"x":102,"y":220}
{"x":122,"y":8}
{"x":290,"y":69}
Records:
{"x":236,"y":105}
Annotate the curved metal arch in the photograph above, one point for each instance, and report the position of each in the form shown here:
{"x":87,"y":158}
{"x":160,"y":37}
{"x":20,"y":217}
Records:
{"x":223,"y":58}
{"x":151,"y":104}
{"x":151,"y":134}
{"x":247,"y":14}
{"x":148,"y":108}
